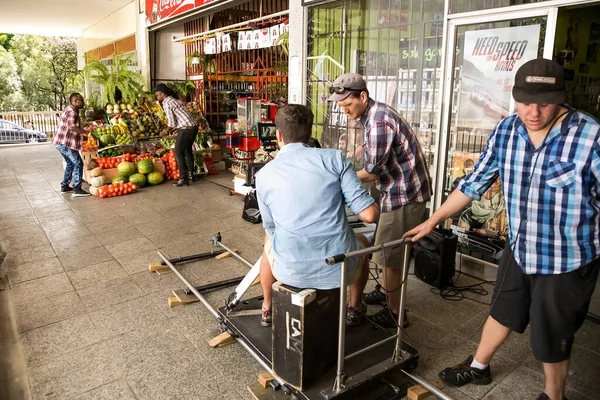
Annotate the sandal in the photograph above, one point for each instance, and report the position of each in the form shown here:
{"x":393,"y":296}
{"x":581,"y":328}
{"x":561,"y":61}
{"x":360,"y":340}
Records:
{"x":375,"y":297}
{"x":385,"y":318}
{"x":266,"y":318}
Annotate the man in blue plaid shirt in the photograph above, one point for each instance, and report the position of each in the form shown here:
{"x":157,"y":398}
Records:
{"x":547,"y":156}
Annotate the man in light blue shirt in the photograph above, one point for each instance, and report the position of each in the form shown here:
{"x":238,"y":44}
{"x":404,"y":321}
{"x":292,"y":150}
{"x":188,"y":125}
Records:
{"x":302,"y":196}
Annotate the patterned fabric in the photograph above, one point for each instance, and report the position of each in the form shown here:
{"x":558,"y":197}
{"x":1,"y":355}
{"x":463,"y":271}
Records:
{"x":178,"y":116}
{"x":552,"y":192}
{"x":392,"y":152}
{"x":64,"y":134}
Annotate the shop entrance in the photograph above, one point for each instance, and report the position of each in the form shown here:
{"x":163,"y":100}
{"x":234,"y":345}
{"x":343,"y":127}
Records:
{"x":486,"y":52}
{"x":483,"y":52}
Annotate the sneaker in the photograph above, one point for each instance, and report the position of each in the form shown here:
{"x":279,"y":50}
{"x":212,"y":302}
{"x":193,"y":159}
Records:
{"x":79,"y":192}
{"x":463,"y":373}
{"x":385,"y":318}
{"x":354,"y":316}
{"x":375,"y":297}
{"x":544,"y":396}
{"x":267,"y":318}
{"x":182,"y":182}
{"x":65,"y":188}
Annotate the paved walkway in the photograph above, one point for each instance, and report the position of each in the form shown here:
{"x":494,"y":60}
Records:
{"x":94,"y":323}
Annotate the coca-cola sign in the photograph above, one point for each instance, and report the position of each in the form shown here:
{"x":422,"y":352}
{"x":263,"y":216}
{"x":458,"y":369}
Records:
{"x":159,"y":10}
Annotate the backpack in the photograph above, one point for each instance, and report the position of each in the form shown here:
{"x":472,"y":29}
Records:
{"x":251,"y":211}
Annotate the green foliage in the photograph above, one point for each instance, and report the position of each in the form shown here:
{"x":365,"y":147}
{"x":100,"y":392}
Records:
{"x":117,"y":76}
{"x":183,"y":88}
{"x":284,"y":41}
{"x":5,"y":40}
{"x":45,"y":68}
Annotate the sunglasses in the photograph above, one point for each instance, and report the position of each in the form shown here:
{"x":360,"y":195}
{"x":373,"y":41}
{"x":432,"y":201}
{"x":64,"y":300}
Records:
{"x":341,"y":90}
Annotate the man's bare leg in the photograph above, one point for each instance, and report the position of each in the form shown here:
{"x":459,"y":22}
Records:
{"x":556,"y":379}
{"x":266,"y":279}
{"x":357,"y":288}
{"x":494,"y":334}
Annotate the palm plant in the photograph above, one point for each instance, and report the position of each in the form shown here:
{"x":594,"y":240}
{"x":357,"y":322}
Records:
{"x":115,"y":77}
{"x":183,"y":88}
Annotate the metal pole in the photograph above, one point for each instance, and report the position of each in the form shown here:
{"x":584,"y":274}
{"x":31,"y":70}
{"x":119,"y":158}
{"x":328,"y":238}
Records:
{"x":216,"y":315}
{"x":190,"y":286}
{"x":235,"y":255}
{"x":436,"y":392}
{"x":338,"y":384}
{"x":374,"y":345}
{"x":367,"y":250}
{"x":398,"y":350}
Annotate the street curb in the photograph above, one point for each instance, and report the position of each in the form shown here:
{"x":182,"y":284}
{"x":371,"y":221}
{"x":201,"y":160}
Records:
{"x":14,"y":379}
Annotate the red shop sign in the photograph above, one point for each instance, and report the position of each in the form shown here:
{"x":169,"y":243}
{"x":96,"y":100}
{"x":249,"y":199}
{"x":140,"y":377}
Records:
{"x":159,"y":10}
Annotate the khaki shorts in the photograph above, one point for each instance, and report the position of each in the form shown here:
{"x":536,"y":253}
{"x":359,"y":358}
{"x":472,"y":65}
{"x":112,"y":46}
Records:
{"x":391,"y":226}
{"x":268,"y":249}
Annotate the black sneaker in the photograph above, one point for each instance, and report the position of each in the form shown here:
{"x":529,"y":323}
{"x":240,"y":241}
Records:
{"x":544,"y":396}
{"x":375,"y":297}
{"x":182,"y":182}
{"x":386,"y":318}
{"x":354,"y":316}
{"x":463,"y":373}
{"x":65,"y":188}
{"x":79,"y":192}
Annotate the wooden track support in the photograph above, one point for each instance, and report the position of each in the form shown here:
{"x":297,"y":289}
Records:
{"x":225,"y":255}
{"x":418,"y":392}
{"x":220,"y":340}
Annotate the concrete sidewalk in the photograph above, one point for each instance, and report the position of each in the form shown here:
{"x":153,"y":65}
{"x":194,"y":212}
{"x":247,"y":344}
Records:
{"x":95,"y":324}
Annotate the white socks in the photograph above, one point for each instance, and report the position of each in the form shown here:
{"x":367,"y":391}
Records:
{"x":478,"y":365}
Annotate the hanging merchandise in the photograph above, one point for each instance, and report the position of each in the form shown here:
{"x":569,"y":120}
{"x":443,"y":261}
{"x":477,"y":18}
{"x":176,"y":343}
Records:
{"x":264,"y":39}
{"x":256,"y":34}
{"x":249,"y":40}
{"x":274,"y":35}
{"x":241,"y":42}
{"x":226,"y":43}
{"x":210,"y":46}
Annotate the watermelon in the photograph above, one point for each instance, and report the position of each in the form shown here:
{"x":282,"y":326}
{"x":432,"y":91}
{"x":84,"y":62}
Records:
{"x":119,"y":179}
{"x":138,"y":179}
{"x":145,"y":166}
{"x":155,"y":178}
{"x":107,"y":140}
{"x":126,"y":168}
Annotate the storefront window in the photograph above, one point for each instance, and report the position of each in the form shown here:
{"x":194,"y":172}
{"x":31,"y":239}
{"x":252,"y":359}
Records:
{"x":461,"y":6}
{"x":396,"y":46}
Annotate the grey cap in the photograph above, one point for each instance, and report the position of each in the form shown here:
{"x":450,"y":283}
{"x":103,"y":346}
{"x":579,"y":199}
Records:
{"x":345,"y":84}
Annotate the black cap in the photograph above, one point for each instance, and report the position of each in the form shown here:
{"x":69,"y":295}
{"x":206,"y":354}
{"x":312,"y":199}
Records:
{"x":540,"y":81}
{"x":161,"y":87}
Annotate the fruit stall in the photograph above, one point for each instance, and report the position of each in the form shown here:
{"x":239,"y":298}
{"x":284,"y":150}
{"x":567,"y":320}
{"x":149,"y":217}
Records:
{"x":128,"y":150}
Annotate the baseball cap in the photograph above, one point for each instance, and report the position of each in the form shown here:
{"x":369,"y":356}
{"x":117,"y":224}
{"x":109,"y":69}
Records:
{"x":344,"y":85}
{"x":540,"y":81}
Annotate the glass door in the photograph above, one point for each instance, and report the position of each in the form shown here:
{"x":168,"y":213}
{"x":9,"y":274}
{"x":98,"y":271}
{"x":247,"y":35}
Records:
{"x":483,"y":55}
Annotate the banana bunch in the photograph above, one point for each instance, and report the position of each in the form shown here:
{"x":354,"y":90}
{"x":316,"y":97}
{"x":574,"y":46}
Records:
{"x":121,"y":129}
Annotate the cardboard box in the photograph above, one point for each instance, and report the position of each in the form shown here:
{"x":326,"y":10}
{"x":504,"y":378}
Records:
{"x":239,"y":185}
{"x":216,"y":155}
{"x":220,"y":166}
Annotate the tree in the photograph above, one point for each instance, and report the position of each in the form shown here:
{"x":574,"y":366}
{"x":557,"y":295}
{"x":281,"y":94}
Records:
{"x":47,"y":67}
{"x":10,"y":84}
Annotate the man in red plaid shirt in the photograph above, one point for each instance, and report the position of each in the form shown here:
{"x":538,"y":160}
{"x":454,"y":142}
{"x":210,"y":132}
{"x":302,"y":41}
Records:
{"x":395,"y":162}
{"x":68,"y":140}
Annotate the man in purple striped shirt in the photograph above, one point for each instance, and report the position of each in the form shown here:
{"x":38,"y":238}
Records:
{"x":395,"y":162}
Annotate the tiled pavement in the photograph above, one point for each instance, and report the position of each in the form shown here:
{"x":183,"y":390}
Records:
{"x":94,"y":323}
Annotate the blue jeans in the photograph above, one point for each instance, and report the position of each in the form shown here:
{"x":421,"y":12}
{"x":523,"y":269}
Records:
{"x":74,"y":166}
